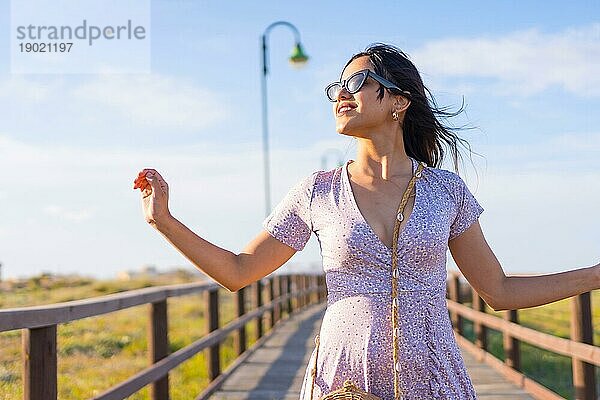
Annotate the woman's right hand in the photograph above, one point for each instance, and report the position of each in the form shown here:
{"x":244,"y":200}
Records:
{"x":155,"y":196}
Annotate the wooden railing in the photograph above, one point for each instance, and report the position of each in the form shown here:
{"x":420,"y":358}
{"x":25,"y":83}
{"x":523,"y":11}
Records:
{"x":284,"y":293}
{"x":584,"y":355}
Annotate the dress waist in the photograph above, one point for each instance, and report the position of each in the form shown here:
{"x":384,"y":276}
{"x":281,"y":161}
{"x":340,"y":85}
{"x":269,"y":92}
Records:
{"x":437,"y":295}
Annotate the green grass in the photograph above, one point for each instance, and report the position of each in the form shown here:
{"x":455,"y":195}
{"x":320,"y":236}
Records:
{"x":552,"y":370}
{"x":97,"y":353}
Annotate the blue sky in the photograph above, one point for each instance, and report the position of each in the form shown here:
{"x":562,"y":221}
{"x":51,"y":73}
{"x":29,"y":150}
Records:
{"x":71,"y":144}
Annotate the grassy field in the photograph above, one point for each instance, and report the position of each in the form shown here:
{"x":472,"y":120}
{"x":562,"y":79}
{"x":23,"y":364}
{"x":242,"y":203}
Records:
{"x":99,"y":352}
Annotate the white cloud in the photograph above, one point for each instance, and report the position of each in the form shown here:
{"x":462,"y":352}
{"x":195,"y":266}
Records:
{"x":120,"y":107}
{"x":68,"y":214}
{"x":572,"y":151}
{"x":154,"y":100}
{"x":520,"y":63}
{"x":17,"y":88}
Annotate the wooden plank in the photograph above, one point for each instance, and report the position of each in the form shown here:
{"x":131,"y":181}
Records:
{"x":512,"y":353}
{"x":239,"y":340}
{"x":258,"y":302}
{"x":322,"y":288}
{"x":288,"y":289}
{"x":313,"y":284}
{"x":479,"y":329}
{"x":54,"y":314}
{"x":276,"y":294}
{"x":211,"y":302}
{"x":454,"y":294}
{"x":270,"y":297}
{"x":297,"y":289}
{"x":40,"y":366}
{"x":306,"y":289}
{"x":158,"y":347}
{"x":584,"y":378}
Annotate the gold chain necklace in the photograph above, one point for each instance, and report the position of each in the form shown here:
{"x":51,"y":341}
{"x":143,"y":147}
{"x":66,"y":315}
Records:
{"x":350,"y":391}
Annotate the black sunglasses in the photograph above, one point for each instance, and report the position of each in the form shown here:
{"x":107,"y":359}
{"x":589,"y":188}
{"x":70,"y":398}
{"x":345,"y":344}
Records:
{"x":354,"y":82}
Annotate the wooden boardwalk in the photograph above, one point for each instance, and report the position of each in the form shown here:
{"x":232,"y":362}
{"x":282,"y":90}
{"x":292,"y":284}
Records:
{"x":275,"y":371}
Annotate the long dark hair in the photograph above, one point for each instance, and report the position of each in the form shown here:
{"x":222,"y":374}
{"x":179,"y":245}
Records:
{"x":424,"y":133}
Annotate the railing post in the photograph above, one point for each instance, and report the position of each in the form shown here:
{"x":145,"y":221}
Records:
{"x":511,"y":346}
{"x":314,"y":284}
{"x":287,"y":285}
{"x":270,"y":297}
{"x":277,"y":295}
{"x":318,"y":288}
{"x":158,"y":346}
{"x":304,"y":285}
{"x":307,"y":287}
{"x":239,"y":339}
{"x":309,"y":282}
{"x":479,"y":329}
{"x":211,"y":303}
{"x":284,"y":290}
{"x":584,"y":380}
{"x":258,"y":302}
{"x":294,"y":291}
{"x":290,"y":306}
{"x":454,"y":293}
{"x":295,"y":286}
{"x":39,"y":362}
{"x":302,"y":297}
{"x":323,"y":290}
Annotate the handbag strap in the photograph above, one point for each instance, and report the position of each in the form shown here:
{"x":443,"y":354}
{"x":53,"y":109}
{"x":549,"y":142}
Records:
{"x":395,"y":276}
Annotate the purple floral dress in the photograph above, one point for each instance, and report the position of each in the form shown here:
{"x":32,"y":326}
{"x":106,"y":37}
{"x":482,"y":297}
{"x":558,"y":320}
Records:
{"x":356,"y":331}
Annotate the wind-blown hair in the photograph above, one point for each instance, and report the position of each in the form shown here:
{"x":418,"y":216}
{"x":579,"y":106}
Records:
{"x":423,"y":131}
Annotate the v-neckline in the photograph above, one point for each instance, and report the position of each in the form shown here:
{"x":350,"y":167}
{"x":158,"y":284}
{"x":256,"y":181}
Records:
{"x":357,"y":209}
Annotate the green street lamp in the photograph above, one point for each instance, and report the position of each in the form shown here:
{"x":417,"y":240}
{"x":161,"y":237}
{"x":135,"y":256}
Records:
{"x":298,"y":58}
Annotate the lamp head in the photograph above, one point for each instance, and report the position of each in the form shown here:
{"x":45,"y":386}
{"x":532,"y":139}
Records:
{"x":298,"y":58}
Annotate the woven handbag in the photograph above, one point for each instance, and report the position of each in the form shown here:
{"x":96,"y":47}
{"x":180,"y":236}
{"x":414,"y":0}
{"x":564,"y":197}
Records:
{"x":349,"y":391}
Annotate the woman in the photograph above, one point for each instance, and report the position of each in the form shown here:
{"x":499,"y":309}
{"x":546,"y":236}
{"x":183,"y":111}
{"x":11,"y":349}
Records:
{"x":381,"y":101}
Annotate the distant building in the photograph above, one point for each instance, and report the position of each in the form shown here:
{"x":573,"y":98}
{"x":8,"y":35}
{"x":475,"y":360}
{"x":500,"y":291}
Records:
{"x":145,"y":271}
{"x":151,"y":271}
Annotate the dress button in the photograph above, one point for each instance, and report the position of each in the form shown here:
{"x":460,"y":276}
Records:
{"x":400,"y":217}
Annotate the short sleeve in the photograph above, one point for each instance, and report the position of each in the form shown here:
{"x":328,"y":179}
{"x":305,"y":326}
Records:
{"x":468,"y":209}
{"x":290,"y":221}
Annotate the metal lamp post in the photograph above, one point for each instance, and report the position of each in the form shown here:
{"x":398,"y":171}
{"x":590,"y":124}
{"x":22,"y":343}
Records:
{"x":298,"y":57}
